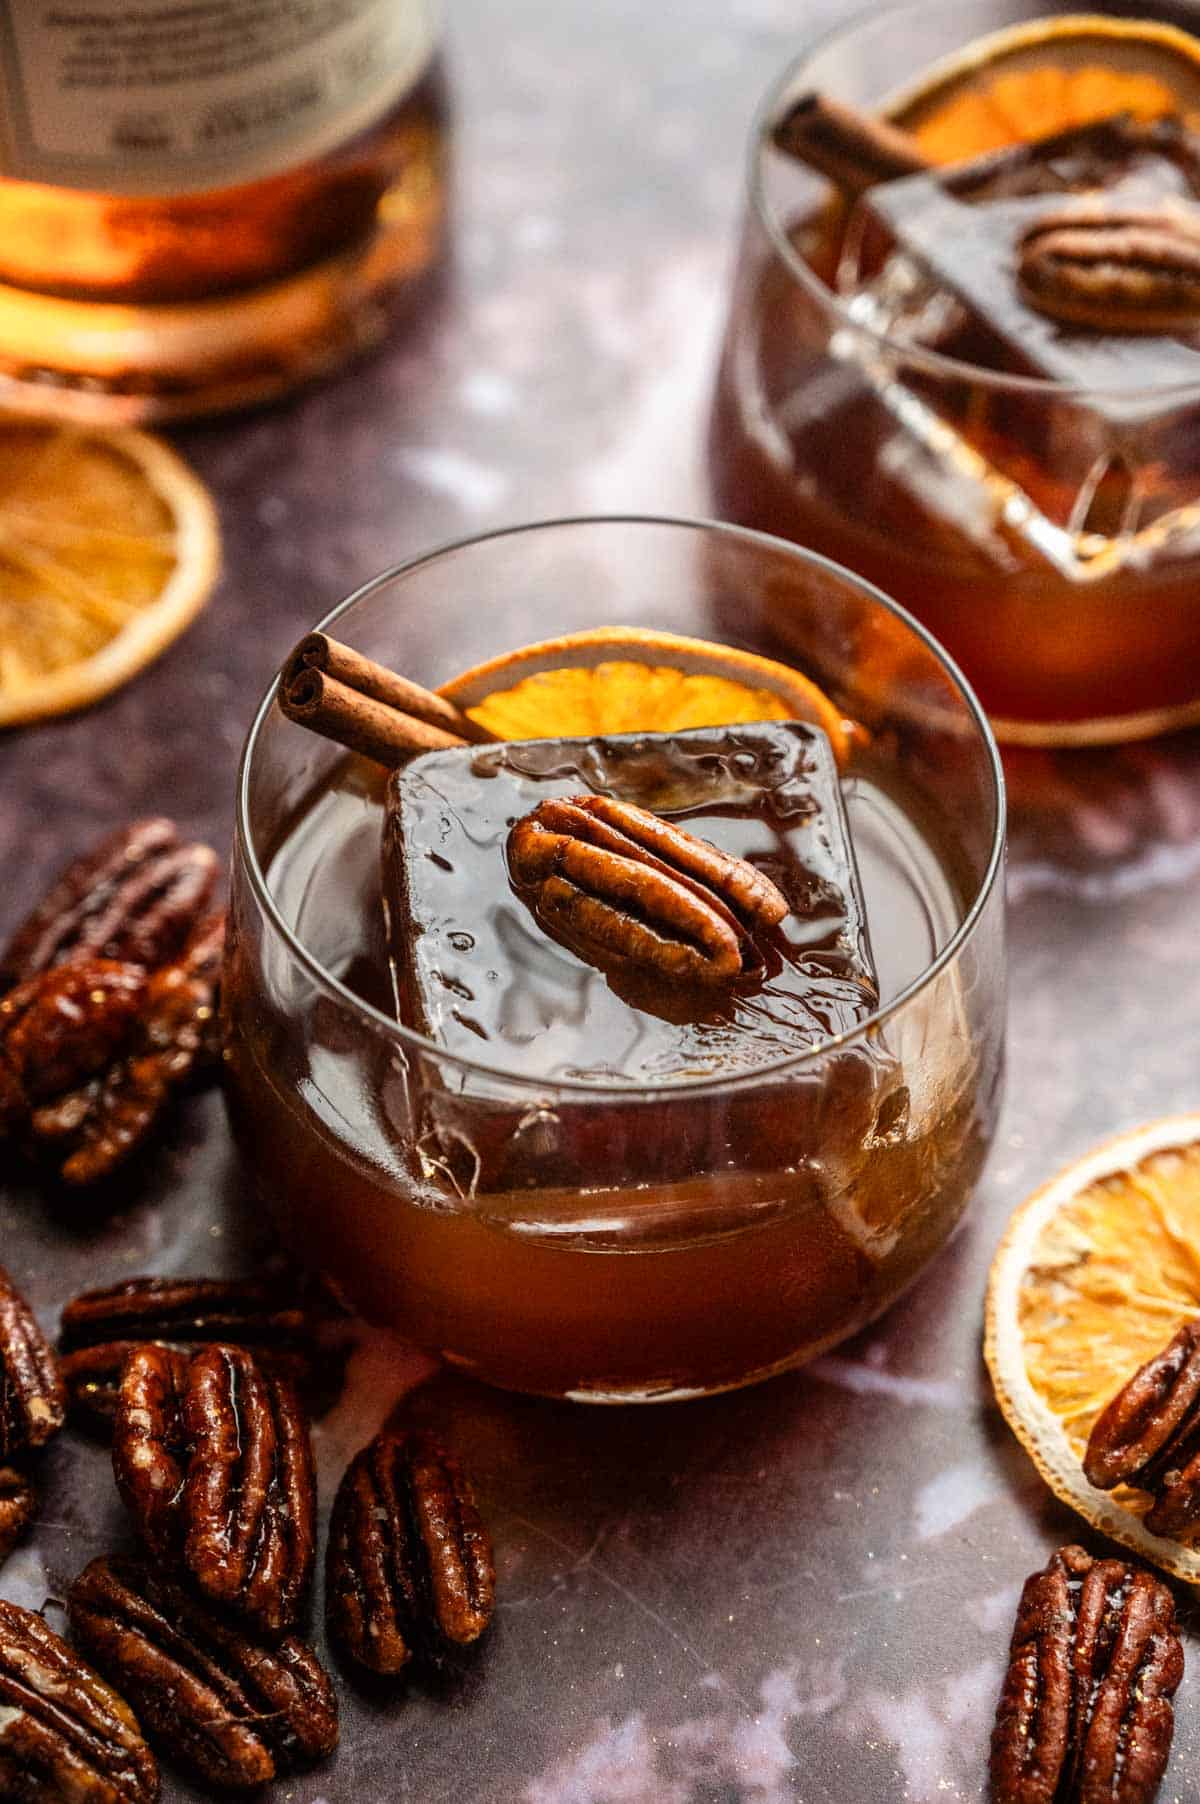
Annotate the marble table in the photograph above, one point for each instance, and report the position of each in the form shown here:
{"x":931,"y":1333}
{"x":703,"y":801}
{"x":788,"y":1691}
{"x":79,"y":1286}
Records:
{"x":799,"y":1593}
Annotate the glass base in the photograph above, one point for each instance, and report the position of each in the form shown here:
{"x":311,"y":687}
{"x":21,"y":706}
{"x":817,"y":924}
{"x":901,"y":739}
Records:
{"x":105,"y":363}
{"x":1119,"y":729}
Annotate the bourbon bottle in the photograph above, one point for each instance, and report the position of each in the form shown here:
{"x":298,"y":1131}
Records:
{"x":205,"y":202}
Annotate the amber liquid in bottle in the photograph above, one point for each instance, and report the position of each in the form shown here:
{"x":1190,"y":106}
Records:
{"x":128,"y":306}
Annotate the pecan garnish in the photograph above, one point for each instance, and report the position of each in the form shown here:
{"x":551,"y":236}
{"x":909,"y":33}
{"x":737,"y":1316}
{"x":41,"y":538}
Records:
{"x":1149,"y":1435}
{"x":228,"y":1709}
{"x":135,"y":898}
{"x":32,"y":1399}
{"x":92,"y":1050}
{"x":101,"y":1328}
{"x":18,"y":1507}
{"x":212,"y":1456}
{"x":64,"y":1734}
{"x":1085,"y":1715}
{"x":1114,"y":271}
{"x":409,"y":1561}
{"x":618,"y":884}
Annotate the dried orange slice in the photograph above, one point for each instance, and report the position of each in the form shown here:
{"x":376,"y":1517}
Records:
{"x":108,"y":547}
{"x":1031,"y":80}
{"x":637,"y":680}
{"x":1094,"y":1275}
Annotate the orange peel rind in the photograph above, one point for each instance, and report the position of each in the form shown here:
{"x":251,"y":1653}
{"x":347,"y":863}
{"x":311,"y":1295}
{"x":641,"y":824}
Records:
{"x":1094,"y":1274}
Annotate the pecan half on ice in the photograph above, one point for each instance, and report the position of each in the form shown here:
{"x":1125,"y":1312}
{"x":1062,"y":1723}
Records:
{"x":65,"y":1736}
{"x":1085,"y":1715}
{"x":1149,"y":1435}
{"x":409,"y":1562}
{"x":1114,"y":271}
{"x":212,"y":1457}
{"x":32,"y":1399}
{"x":230,"y":1710}
{"x":101,"y":1328}
{"x":617,"y":883}
{"x":18,"y":1507}
{"x":135,"y":898}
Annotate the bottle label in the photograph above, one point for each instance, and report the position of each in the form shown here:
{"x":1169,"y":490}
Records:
{"x":172,"y":96}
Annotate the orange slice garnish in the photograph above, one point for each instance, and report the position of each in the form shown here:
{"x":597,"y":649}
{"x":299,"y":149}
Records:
{"x":1096,"y":1272}
{"x":1047,"y":76}
{"x":637,"y":680}
{"x":108,"y":547}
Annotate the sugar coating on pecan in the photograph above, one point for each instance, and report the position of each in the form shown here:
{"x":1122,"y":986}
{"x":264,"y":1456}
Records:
{"x":64,"y":1733}
{"x":32,"y":1398}
{"x":212,"y":1457}
{"x":1148,"y":1436}
{"x":409,"y":1567}
{"x":230,"y":1709}
{"x":278,"y":1319}
{"x":1085,"y":1715}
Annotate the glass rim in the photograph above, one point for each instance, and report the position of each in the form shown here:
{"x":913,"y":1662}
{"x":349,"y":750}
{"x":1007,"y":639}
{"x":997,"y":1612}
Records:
{"x":408,"y":1039}
{"x":934,"y":363}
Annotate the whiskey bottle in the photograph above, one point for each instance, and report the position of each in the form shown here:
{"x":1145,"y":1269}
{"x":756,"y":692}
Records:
{"x":205,"y":202}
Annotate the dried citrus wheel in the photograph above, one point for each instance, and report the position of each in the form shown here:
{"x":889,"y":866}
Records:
{"x":108,"y":547}
{"x":1042,"y":77}
{"x":636,"y":680}
{"x":1094,"y":1275}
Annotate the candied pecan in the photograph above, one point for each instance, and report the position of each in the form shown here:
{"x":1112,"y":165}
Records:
{"x":1149,"y":1435}
{"x":135,"y":898}
{"x":1085,"y":1715}
{"x":409,"y":1565}
{"x":18,"y":1507}
{"x":212,"y":1456}
{"x":617,"y":883}
{"x":230,"y":1710}
{"x":91,"y":1052}
{"x":32,"y":1399}
{"x":67,"y":1024}
{"x":1114,"y":269}
{"x":65,"y":1736}
{"x":101,"y":1328}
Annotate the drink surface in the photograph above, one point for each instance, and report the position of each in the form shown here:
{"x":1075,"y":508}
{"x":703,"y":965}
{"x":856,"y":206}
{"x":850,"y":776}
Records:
{"x":477,"y":972}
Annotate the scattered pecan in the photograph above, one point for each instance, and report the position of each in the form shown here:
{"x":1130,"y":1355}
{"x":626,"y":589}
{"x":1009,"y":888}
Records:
{"x":102,"y":1327}
{"x":1085,"y":1715}
{"x":228,"y":1709}
{"x":32,"y":1399}
{"x":212,"y":1456}
{"x":135,"y":898}
{"x":617,"y":883}
{"x":409,"y":1560}
{"x":1114,"y":271}
{"x":1149,"y":1435}
{"x":65,"y":1736}
{"x":91,"y":1051}
{"x":18,"y":1507}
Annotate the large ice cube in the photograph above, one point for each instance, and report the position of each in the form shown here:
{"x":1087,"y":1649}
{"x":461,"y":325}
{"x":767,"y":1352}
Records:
{"x":477,"y":973}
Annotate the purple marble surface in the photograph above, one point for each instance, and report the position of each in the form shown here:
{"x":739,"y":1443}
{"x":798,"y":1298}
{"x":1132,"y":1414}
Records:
{"x":799,"y":1593}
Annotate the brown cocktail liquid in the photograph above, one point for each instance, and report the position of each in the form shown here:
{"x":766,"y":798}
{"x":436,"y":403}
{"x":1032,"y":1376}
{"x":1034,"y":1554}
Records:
{"x":608,"y":1241}
{"x":1048,"y":541}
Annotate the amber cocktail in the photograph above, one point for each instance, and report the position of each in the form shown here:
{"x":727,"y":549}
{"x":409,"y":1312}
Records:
{"x":890,"y":394}
{"x":580,"y":1180}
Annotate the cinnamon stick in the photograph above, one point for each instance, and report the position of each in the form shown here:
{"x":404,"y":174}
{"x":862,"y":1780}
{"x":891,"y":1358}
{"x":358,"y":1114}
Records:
{"x":851,"y":147}
{"x":337,"y":692}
